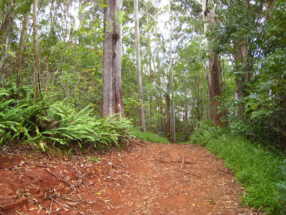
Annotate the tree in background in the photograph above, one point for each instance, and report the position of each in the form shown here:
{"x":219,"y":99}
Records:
{"x":37,"y":81}
{"x":138,"y":68}
{"x":213,"y":65}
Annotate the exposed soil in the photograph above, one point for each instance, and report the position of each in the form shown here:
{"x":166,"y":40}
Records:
{"x":146,"y":178}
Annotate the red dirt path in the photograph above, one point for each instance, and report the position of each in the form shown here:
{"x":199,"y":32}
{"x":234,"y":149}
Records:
{"x":146,"y":178}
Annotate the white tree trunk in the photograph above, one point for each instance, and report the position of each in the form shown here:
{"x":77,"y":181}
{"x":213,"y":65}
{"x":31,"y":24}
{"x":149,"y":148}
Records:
{"x":138,"y":68}
{"x":172,"y":76}
{"x":36,"y":83}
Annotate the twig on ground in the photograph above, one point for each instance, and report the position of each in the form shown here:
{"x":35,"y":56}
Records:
{"x":52,"y":173}
{"x":35,"y":176}
{"x":51,"y":206}
{"x":65,"y":206}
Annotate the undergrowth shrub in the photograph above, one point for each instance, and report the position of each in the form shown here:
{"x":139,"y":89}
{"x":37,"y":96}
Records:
{"x":46,"y":121}
{"x":259,"y":170}
{"x":84,"y":127}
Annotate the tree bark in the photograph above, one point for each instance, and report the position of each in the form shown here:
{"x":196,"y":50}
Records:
{"x":168,"y":114}
{"x":172,"y":76}
{"x":112,"y":50}
{"x":186,"y":121}
{"x":150,"y":67}
{"x":214,"y":71}
{"x":21,"y":46}
{"x":37,"y":84}
{"x":242,"y":76}
{"x":138,"y":68}
{"x":6,"y":30}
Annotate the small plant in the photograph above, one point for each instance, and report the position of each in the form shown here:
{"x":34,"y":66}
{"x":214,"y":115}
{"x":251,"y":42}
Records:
{"x":93,"y":159}
{"x":69,"y":153}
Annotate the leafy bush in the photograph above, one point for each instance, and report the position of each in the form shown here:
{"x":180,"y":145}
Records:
{"x":257,"y":169}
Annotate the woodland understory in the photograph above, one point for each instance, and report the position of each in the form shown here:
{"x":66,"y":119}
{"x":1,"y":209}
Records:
{"x":94,"y":73}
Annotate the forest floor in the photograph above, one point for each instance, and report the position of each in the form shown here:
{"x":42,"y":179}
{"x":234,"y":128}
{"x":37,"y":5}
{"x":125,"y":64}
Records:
{"x":145,"y":178}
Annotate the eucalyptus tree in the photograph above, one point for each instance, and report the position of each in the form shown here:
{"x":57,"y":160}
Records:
{"x":22,"y":41}
{"x":172,"y":74}
{"x":138,"y":68}
{"x":36,"y":82}
{"x":112,"y":49}
{"x":213,"y":65}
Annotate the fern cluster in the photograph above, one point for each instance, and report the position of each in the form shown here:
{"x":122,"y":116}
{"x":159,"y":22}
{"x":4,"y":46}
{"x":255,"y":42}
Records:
{"x":46,"y":121}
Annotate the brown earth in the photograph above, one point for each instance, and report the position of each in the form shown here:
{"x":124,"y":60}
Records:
{"x":146,"y":178}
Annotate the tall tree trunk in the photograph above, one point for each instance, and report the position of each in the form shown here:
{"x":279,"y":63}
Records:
{"x":6,"y":30}
{"x":37,"y":85}
{"x":150,"y":67}
{"x":186,"y":120}
{"x":159,"y":80}
{"x":214,"y":73}
{"x":138,"y":68}
{"x":112,"y":50}
{"x":240,"y":57}
{"x":168,"y":113}
{"x":21,"y":46}
{"x":172,"y":76}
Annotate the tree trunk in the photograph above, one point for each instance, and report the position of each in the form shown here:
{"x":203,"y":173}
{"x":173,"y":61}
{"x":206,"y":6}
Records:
{"x":186,"y":120}
{"x":172,"y":76}
{"x":138,"y":68}
{"x":6,"y":30}
{"x":168,"y":115}
{"x":37,"y":85}
{"x":21,"y":46}
{"x":242,"y":76}
{"x":150,"y":67}
{"x":214,"y":73}
{"x":112,"y":49}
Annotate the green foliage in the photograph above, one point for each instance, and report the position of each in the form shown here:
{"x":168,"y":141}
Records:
{"x":59,"y":122}
{"x":257,"y":169}
{"x":282,"y":188}
{"x":148,"y":136}
{"x":82,"y":127}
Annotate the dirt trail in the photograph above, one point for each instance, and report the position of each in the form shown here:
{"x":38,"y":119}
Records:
{"x":145,"y":179}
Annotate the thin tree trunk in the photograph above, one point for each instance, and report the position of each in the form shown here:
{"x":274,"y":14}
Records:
{"x":21,"y":46}
{"x":172,"y":76}
{"x":37,"y":86}
{"x":112,"y":50}
{"x":150,"y":68}
{"x":168,"y":114}
{"x":186,"y":120}
{"x":138,"y":68}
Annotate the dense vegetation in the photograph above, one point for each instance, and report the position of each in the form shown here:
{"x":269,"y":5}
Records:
{"x":260,"y":171}
{"x":51,"y":80}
